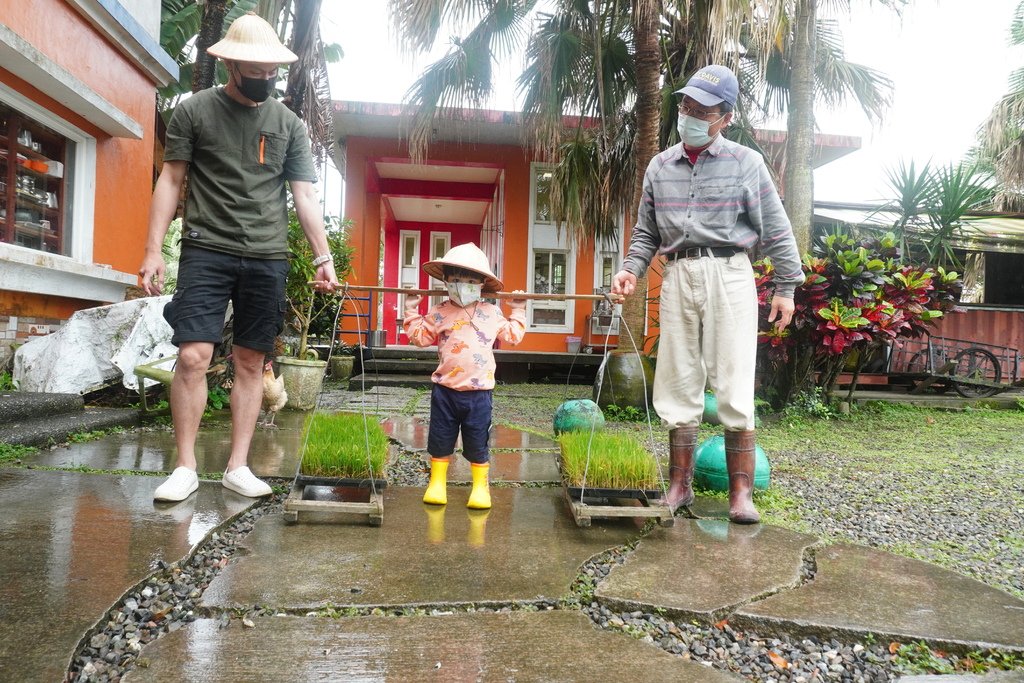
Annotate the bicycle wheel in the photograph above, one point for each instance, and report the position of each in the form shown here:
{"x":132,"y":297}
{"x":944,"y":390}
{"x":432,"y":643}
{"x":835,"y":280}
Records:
{"x":978,"y":364}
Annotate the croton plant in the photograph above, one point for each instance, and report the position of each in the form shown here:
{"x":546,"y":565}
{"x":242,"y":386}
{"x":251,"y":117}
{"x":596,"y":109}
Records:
{"x":858,"y":298}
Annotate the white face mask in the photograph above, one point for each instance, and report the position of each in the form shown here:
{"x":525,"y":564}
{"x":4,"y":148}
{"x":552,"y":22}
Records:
{"x":464,"y":293}
{"x":694,"y":132}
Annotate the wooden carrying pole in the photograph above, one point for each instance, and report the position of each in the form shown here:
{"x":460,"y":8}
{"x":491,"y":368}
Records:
{"x":614,"y":298}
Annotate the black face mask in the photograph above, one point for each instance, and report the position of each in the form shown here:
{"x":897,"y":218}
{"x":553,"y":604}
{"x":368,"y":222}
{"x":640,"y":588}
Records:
{"x":256,"y":89}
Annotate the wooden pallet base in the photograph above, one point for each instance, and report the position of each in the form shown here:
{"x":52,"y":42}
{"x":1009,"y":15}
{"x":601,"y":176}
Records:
{"x":294,"y":504}
{"x":584,"y":513}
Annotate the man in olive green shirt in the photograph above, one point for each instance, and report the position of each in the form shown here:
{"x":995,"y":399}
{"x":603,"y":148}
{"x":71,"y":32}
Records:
{"x":238,"y":148}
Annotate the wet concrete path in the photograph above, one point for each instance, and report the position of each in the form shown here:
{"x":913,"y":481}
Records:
{"x":399,"y":602}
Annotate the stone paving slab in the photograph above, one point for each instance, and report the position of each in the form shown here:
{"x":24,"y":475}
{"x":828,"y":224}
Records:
{"x":72,"y":544}
{"x":412,"y":433}
{"x":991,"y":677}
{"x":273,"y":453}
{"x":860,"y":590}
{"x":705,"y":568}
{"x":515,"y":466}
{"x":516,"y":646}
{"x":525,"y":548}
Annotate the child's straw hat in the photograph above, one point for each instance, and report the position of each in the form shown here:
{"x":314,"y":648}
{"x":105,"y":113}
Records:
{"x":470,"y":257}
{"x":251,"y":39}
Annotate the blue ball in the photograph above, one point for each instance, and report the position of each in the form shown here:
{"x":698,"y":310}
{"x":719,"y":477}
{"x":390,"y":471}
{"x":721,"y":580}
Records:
{"x":578,"y":415}
{"x":711,"y":472}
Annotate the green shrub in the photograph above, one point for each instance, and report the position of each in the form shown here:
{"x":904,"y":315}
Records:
{"x":217,"y":397}
{"x":811,"y":404}
{"x":614,"y":413}
{"x":859,"y":296}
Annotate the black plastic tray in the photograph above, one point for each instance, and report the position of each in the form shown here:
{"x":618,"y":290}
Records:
{"x":642,"y":494}
{"x":306,"y":480}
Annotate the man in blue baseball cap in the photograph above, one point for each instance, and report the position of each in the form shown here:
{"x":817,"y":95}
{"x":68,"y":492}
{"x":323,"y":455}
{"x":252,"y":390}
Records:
{"x":705,"y":203}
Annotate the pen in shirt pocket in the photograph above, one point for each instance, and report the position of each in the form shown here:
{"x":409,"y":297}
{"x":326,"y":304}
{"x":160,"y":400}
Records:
{"x":263,"y":142}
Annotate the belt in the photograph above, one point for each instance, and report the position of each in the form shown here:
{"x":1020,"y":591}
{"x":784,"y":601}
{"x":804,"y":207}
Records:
{"x":698,"y":252}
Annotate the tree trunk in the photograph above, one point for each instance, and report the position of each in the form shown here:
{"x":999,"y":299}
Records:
{"x":648,"y":119}
{"x":205,"y":72}
{"x":303,"y":43}
{"x":798,"y":176}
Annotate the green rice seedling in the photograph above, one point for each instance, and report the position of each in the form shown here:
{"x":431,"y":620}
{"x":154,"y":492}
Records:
{"x":617,"y":461}
{"x":336,"y":446}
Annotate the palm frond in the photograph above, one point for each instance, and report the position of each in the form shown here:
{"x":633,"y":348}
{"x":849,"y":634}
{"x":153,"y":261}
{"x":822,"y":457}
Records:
{"x":839,"y":81}
{"x":464,"y":75}
{"x":1017,"y":25}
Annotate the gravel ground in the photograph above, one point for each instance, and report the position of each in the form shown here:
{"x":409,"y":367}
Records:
{"x":168,"y":600}
{"x":970,"y":523}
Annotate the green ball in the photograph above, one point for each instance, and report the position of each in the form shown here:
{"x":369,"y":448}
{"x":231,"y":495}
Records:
{"x":710,"y":470}
{"x":578,"y":415}
{"x":710,"y":409}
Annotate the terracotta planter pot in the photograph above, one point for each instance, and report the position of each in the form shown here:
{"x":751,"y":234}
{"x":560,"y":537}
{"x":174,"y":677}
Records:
{"x":303,"y":380}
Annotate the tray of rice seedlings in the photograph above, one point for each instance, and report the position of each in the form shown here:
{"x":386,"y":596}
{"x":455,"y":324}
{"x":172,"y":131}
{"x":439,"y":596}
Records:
{"x":613,"y":469}
{"x":343,"y":449}
{"x":618,"y":466}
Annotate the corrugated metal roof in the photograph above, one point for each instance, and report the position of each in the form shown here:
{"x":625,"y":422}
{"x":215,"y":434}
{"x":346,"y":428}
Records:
{"x":978,"y":233}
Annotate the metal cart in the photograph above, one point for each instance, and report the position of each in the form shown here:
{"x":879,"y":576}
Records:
{"x":971,"y":369}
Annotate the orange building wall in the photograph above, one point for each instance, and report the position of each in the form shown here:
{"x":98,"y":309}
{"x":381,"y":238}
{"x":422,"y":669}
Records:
{"x":123,"y":166}
{"x":362,"y":206}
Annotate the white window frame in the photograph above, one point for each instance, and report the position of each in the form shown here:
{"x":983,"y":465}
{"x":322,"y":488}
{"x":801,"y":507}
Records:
{"x":544,"y":237}
{"x":599,"y":256}
{"x":402,"y":236}
{"x":83,"y":167}
{"x":432,"y":282}
{"x":74,"y":275}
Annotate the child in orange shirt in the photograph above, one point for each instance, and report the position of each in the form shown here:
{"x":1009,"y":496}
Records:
{"x":464,"y":328}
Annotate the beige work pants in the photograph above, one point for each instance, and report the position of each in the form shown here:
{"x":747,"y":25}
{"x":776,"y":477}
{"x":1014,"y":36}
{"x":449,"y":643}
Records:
{"x":708,"y":330}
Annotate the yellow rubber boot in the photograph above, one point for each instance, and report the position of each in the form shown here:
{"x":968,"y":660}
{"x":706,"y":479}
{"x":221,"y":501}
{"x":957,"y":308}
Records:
{"x":480,"y":496}
{"x":437,"y":493}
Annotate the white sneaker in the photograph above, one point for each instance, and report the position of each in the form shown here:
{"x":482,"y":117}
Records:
{"x":243,"y":481}
{"x":180,"y":485}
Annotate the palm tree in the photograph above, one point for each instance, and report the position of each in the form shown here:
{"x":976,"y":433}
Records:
{"x":595,"y":59}
{"x":1001,"y":138}
{"x":189,"y":27}
{"x":798,"y":173}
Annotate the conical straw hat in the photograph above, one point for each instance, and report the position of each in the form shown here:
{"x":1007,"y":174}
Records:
{"x":466,"y":256}
{"x":251,"y":39}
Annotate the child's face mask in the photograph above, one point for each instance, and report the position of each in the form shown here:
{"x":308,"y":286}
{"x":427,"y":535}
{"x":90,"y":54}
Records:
{"x":464,"y":293}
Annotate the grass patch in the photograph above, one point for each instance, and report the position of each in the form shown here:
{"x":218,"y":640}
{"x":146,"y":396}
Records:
{"x":616,"y":461}
{"x":413,"y":403}
{"x":85,"y":437}
{"x":336,"y":446}
{"x":10,"y":452}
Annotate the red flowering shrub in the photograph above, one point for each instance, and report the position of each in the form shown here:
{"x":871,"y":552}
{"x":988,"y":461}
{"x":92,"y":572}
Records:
{"x":857,"y":298}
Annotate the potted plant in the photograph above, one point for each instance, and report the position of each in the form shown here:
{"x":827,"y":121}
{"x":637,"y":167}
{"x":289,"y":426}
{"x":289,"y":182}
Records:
{"x":302,"y":369}
{"x":342,"y":361}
